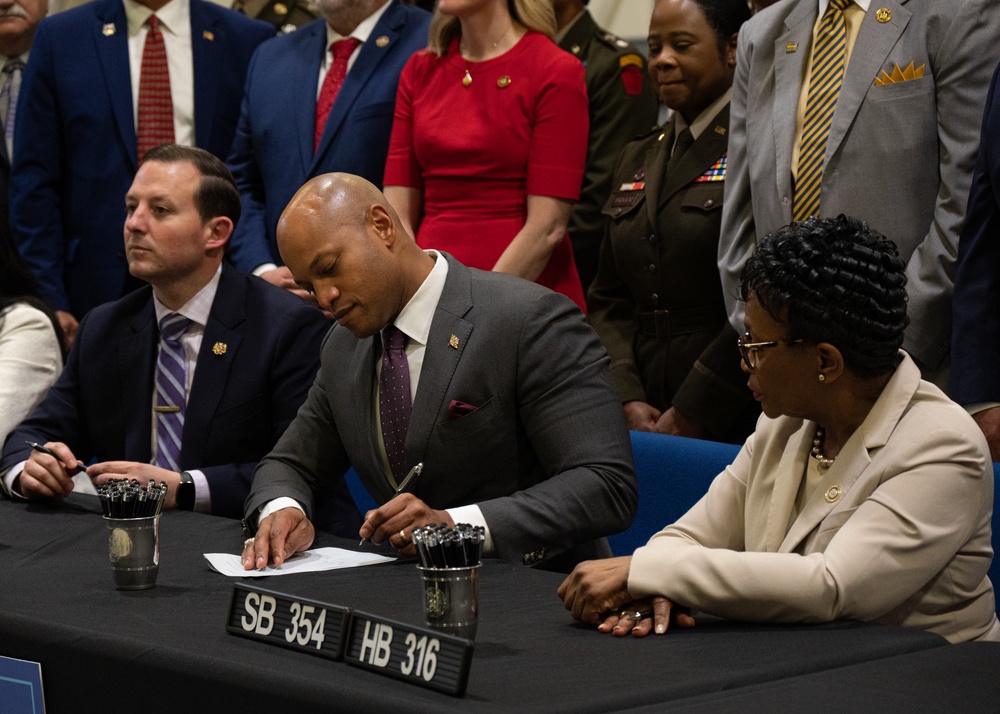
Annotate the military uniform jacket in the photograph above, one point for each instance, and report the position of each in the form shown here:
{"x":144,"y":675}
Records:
{"x":623,"y":105}
{"x":658,"y":265}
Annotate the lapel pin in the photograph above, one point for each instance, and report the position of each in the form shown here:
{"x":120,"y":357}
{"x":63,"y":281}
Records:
{"x":453,"y":342}
{"x":720,"y":130}
{"x":883,"y":14}
{"x":382,"y":41}
{"x":219,"y":349}
{"x":660,"y":137}
{"x":833,"y":493}
{"x":108,"y":29}
{"x":575,"y":49}
{"x":791,"y":47}
{"x":208,"y":35}
{"x":503,"y":82}
{"x":280,"y":9}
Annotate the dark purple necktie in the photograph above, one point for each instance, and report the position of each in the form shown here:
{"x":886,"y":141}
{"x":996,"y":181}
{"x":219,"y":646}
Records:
{"x":171,"y":370}
{"x":394,"y":399}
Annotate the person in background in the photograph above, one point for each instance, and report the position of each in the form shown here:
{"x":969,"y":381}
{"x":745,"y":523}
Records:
{"x":188,"y":381}
{"x":318,"y":100}
{"x":489,"y":142}
{"x":865,"y":492}
{"x":622,"y":106}
{"x":31,"y":345}
{"x":86,"y":115}
{"x":657,"y":301}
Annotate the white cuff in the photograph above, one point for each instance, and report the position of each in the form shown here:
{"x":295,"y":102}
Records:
{"x":276,"y":505}
{"x":202,"y":493}
{"x":263,"y":268}
{"x":474,"y":517}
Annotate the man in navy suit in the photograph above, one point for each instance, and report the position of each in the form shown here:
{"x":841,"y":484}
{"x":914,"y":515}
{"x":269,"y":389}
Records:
{"x":75,"y":144}
{"x":251,"y":352}
{"x":275,"y":149}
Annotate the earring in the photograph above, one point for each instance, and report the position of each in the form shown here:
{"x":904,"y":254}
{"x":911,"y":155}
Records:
{"x":822,"y":378}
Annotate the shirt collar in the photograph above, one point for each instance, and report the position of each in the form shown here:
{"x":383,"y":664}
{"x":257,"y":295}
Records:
{"x":863,"y":4}
{"x":702,"y":121}
{"x":362,"y":31}
{"x":172,"y":16}
{"x":198,"y":307}
{"x":568,"y":26}
{"x":414,"y":320}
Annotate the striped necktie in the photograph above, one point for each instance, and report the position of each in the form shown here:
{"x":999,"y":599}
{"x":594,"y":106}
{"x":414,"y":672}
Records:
{"x":826,"y":75}
{"x":171,"y":389}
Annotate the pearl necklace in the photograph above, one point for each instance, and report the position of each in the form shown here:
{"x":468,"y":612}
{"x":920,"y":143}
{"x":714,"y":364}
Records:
{"x":816,"y":453}
{"x":467,"y":79}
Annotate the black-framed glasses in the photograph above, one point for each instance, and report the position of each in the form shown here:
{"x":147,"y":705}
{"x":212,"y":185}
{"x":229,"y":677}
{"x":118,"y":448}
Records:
{"x":748,"y":350}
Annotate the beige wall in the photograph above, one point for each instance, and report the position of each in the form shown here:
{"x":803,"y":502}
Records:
{"x":625,"y":18}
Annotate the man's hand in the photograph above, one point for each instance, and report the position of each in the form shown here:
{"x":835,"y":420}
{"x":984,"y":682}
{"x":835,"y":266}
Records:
{"x":46,"y":476}
{"x":641,"y":416}
{"x":597,"y":587}
{"x":144,"y":473}
{"x":396,"y":520}
{"x":678,"y":424}
{"x":989,"y":422}
{"x":69,"y":324}
{"x":282,"y":277}
{"x":279,"y":536}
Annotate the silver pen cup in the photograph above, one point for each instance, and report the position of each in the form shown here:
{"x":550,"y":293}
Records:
{"x":134,"y":550}
{"x":451,"y":599}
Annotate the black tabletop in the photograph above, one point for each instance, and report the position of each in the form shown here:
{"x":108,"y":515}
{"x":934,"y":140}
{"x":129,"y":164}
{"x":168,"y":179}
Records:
{"x":167,"y":648}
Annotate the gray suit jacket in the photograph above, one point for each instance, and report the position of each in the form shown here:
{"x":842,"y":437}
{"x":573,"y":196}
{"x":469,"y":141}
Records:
{"x":546,"y":455}
{"x":900,"y":156}
{"x":897,"y":532}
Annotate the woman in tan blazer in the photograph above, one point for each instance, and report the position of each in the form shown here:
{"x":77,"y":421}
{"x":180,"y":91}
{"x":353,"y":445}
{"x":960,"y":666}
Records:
{"x":865,"y":493}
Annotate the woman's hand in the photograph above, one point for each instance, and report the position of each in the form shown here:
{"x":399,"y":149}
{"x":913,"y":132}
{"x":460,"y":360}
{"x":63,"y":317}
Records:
{"x":545,"y":227}
{"x":642,"y":616}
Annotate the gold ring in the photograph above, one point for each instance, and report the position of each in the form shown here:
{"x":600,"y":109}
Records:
{"x":247,"y":542}
{"x":402,"y":536}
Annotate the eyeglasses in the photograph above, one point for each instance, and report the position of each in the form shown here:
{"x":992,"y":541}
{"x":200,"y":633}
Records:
{"x":748,"y":350}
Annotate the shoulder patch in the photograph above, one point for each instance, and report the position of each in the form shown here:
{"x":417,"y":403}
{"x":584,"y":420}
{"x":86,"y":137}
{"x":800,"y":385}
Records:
{"x":630,"y":60}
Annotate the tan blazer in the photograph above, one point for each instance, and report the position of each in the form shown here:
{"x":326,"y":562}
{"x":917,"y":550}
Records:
{"x":898,"y":532}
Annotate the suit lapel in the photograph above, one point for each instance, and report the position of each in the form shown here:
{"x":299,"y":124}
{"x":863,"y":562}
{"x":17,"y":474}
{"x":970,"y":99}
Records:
{"x":579,"y":36}
{"x":875,"y":41}
{"x":136,"y":369}
{"x":704,"y":152}
{"x":441,"y":359}
{"x":369,"y":58}
{"x":655,"y":169}
{"x":788,"y":472}
{"x":112,"y":53}
{"x":360,"y":373}
{"x":225,"y":330}
{"x":207,"y":40}
{"x":305,"y":76}
{"x":789,"y":68}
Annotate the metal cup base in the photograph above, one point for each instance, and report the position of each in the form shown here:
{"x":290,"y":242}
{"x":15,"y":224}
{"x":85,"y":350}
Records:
{"x":134,"y":551}
{"x":451,"y":599}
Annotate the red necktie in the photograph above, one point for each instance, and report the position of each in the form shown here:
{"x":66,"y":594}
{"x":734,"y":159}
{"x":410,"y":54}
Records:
{"x":156,"y":111}
{"x":341,"y":51}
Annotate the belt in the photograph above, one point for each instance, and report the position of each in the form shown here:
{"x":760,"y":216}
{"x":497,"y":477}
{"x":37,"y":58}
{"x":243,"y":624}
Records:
{"x":665,"y":324}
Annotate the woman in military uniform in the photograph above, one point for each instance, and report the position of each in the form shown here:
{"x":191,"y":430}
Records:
{"x":657,"y":299}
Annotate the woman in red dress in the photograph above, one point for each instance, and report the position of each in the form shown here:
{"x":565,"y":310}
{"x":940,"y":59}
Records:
{"x":490,"y":139}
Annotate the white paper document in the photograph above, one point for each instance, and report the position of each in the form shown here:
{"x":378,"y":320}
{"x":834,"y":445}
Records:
{"x":310,"y":561}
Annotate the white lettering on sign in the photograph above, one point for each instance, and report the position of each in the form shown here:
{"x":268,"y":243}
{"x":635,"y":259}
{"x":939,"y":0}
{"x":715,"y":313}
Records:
{"x":425,"y":663}
{"x":376,"y":644}
{"x":260,"y":609}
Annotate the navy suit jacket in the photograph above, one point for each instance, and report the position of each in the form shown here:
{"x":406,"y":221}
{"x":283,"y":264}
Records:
{"x":272,"y":153}
{"x":976,"y":303}
{"x":76,"y":146}
{"x":240,"y":402}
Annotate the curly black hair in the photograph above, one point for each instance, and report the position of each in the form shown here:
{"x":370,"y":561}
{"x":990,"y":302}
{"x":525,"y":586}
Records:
{"x":834,"y":280}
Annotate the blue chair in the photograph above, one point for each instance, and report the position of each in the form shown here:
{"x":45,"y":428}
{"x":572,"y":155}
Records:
{"x":673,"y":473}
{"x":359,"y":493}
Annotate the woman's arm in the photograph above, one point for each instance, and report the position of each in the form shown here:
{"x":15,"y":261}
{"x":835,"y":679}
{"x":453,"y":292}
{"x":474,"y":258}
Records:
{"x":408,"y":204}
{"x":529,"y":252}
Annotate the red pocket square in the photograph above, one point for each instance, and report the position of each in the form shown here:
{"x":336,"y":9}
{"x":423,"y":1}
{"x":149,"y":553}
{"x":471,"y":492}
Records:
{"x":458,"y":409}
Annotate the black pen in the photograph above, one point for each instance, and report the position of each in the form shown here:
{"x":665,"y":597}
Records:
{"x":414,"y":472}
{"x":46,"y":450}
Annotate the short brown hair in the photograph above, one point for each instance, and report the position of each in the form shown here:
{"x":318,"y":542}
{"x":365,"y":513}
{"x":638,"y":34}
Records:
{"x":217,"y":194}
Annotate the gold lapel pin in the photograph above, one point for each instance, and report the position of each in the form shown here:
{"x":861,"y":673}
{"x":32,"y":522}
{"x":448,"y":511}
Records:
{"x":280,"y":9}
{"x":219,"y":349}
{"x":108,"y":29}
{"x":453,"y":342}
{"x":504,"y":82}
{"x":883,"y":14}
{"x":833,"y":493}
{"x":208,"y":35}
{"x":720,"y":130}
{"x":791,"y":47}
{"x":382,"y":41}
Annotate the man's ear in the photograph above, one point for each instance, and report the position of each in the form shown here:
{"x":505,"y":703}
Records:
{"x":381,"y":224}
{"x":220,"y":229}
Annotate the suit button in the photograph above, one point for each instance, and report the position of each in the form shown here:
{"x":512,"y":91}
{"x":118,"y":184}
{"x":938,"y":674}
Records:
{"x":651,"y":268}
{"x":709,"y":203}
{"x":652,"y":239}
{"x":654,"y":298}
{"x":618,"y":211}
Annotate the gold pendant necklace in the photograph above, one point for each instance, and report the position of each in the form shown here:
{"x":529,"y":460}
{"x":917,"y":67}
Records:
{"x":467,"y":79}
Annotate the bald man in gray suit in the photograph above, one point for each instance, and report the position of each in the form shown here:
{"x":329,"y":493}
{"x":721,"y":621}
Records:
{"x":901,"y":151}
{"x":514,"y":416}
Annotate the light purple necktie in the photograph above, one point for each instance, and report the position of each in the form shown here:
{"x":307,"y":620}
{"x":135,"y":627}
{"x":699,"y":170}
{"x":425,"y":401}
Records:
{"x":171,"y":369}
{"x":394,"y":399}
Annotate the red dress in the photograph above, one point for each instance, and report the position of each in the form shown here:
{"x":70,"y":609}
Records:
{"x":477,"y":152}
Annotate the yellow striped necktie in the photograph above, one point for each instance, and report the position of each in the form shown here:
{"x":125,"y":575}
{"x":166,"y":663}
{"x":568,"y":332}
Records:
{"x":826,"y":74}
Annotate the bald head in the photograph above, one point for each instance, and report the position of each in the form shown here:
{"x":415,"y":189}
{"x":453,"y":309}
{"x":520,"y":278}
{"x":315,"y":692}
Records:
{"x":342,"y":240}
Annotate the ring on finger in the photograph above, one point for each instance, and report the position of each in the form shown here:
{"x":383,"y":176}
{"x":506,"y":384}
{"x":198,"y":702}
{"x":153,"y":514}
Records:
{"x":402,"y":536}
{"x":247,"y":542}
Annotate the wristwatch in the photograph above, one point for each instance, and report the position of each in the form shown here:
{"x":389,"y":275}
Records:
{"x":185,"y":492}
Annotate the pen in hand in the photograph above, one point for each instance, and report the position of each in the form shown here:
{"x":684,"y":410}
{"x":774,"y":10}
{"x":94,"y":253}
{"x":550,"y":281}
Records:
{"x":413,"y":473}
{"x":80,"y":466}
